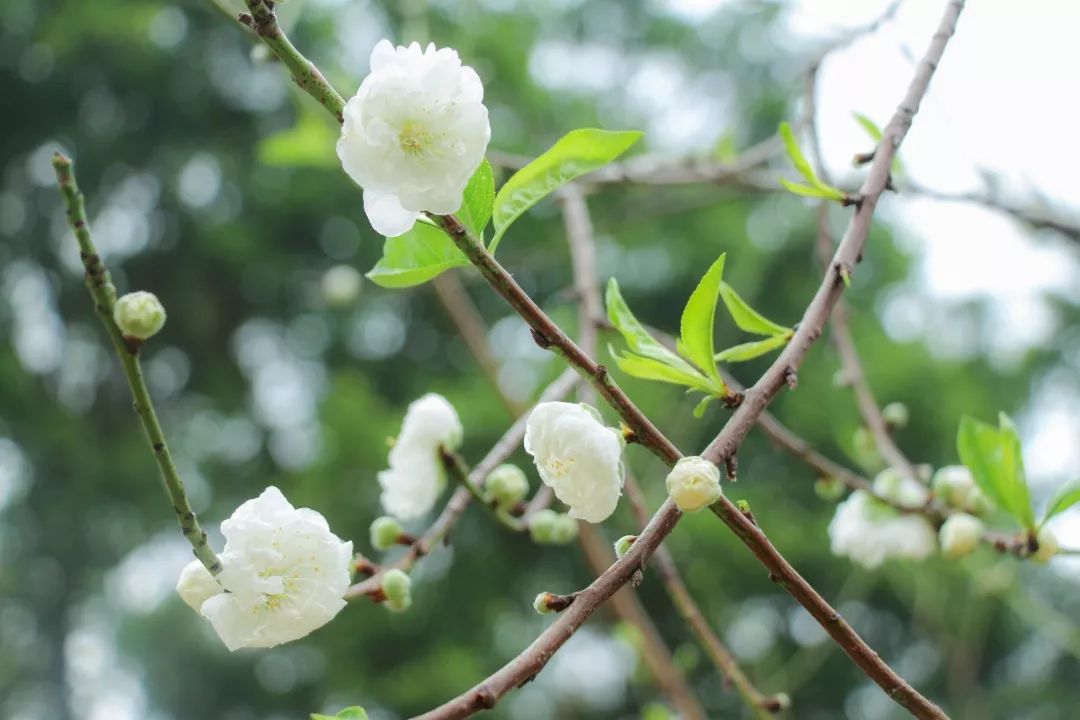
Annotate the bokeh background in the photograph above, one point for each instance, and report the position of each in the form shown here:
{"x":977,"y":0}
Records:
{"x":212,"y":182}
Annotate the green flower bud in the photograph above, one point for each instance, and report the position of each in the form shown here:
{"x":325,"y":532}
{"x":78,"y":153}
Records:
{"x":865,"y":448}
{"x":397,"y":587}
{"x":829,"y":488}
{"x":622,"y":545}
{"x":565,"y":530}
{"x":1048,"y":546}
{"x":385,"y":532}
{"x":506,"y":485}
{"x":542,"y":525}
{"x":896,"y":414}
{"x":139,"y":315}
{"x":959,"y":535}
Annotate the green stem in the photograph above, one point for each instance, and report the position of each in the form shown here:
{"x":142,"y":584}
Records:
{"x":457,"y":468}
{"x":103,"y":293}
{"x":264,"y":22}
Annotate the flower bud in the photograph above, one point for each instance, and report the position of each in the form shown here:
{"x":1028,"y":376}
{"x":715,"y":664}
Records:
{"x":829,"y":488}
{"x":397,"y":587}
{"x":385,"y":532}
{"x":506,"y":485}
{"x":139,"y":315}
{"x":694,"y":483}
{"x":565,"y":530}
{"x":540,"y":604}
{"x":340,"y":286}
{"x":896,"y":414}
{"x":956,"y":487}
{"x":623,"y":544}
{"x":865,"y":448}
{"x":959,"y":535}
{"x":542,"y":525}
{"x":1048,"y":546}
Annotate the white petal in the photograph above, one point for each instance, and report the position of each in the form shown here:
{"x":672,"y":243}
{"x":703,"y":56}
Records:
{"x":196,"y":585}
{"x":386,"y":215}
{"x":382,"y":55}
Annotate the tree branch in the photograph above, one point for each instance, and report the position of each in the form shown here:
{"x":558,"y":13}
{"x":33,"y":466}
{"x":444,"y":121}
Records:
{"x":103,"y":294}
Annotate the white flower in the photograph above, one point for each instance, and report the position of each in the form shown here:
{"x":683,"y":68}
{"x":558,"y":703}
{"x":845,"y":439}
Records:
{"x":416,"y":477}
{"x":139,"y":314}
{"x":283,"y":575}
{"x":577,"y":456}
{"x":869,"y":532}
{"x":413,"y":134}
{"x":960,"y":535}
{"x":693,"y":483}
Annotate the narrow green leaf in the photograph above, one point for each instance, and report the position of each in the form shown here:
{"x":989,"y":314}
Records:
{"x":349,"y":713}
{"x":415,"y":257}
{"x":1066,"y":496}
{"x":869,"y":126}
{"x":635,"y":334}
{"x":747,"y":318}
{"x":822,"y":191}
{"x":993,"y":456}
{"x":751,"y":350}
{"x":699,"y":409}
{"x":576,"y":153}
{"x":699,"y":320}
{"x":651,"y":369}
{"x":795,"y":154}
{"x":479,"y":199}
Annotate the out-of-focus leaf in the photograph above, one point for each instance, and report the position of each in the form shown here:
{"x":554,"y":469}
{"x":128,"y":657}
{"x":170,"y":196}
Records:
{"x":825,"y":192}
{"x":699,"y":320}
{"x":576,"y":153}
{"x":1066,"y":496}
{"x":814,"y":187}
{"x":747,"y":318}
{"x":349,"y":713}
{"x":308,"y":143}
{"x":415,"y":257}
{"x":869,"y":126}
{"x":994,"y":458}
{"x":699,"y":409}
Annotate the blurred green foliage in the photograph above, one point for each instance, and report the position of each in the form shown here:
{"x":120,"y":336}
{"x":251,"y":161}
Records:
{"x":211,"y":182}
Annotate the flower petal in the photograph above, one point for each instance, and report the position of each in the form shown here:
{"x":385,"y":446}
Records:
{"x":386,"y":215}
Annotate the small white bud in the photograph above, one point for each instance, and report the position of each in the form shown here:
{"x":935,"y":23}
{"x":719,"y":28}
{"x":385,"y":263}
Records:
{"x":623,"y":545}
{"x":896,"y":414}
{"x":506,"y":485}
{"x":955,"y":486}
{"x":542,"y":525}
{"x":959,"y":535}
{"x":694,"y":483}
{"x":829,"y":488}
{"x":540,"y":604}
{"x":139,"y":315}
{"x":341,"y":286}
{"x":1048,"y":546}
{"x":385,"y":532}
{"x":397,"y":587}
{"x":565,"y":530}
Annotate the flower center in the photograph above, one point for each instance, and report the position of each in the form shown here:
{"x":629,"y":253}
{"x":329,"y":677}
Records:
{"x":415,"y":138}
{"x":559,"y":467}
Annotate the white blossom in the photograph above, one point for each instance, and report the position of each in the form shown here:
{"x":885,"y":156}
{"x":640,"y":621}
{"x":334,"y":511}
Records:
{"x":956,"y":487}
{"x":694,"y":483}
{"x":577,"y":456}
{"x":284,"y":575}
{"x":869,"y":532}
{"x":894,"y":486}
{"x":413,"y":134}
{"x":960,"y":535}
{"x":416,"y":478}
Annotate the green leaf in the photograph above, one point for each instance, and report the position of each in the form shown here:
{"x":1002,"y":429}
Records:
{"x":349,"y":713}
{"x":699,"y":409}
{"x":994,"y":458}
{"x":416,"y":257}
{"x":795,"y":153}
{"x":636,"y":336}
{"x":869,"y":126}
{"x":308,"y":143}
{"x":576,"y":153}
{"x":652,"y":369}
{"x":1066,"y":496}
{"x":823,"y":191}
{"x":479,"y":199}
{"x":751,"y":350}
{"x":747,"y":318}
{"x":699,"y":320}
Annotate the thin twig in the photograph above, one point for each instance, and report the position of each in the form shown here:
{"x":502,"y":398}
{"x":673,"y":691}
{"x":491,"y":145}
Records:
{"x":103,"y":294}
